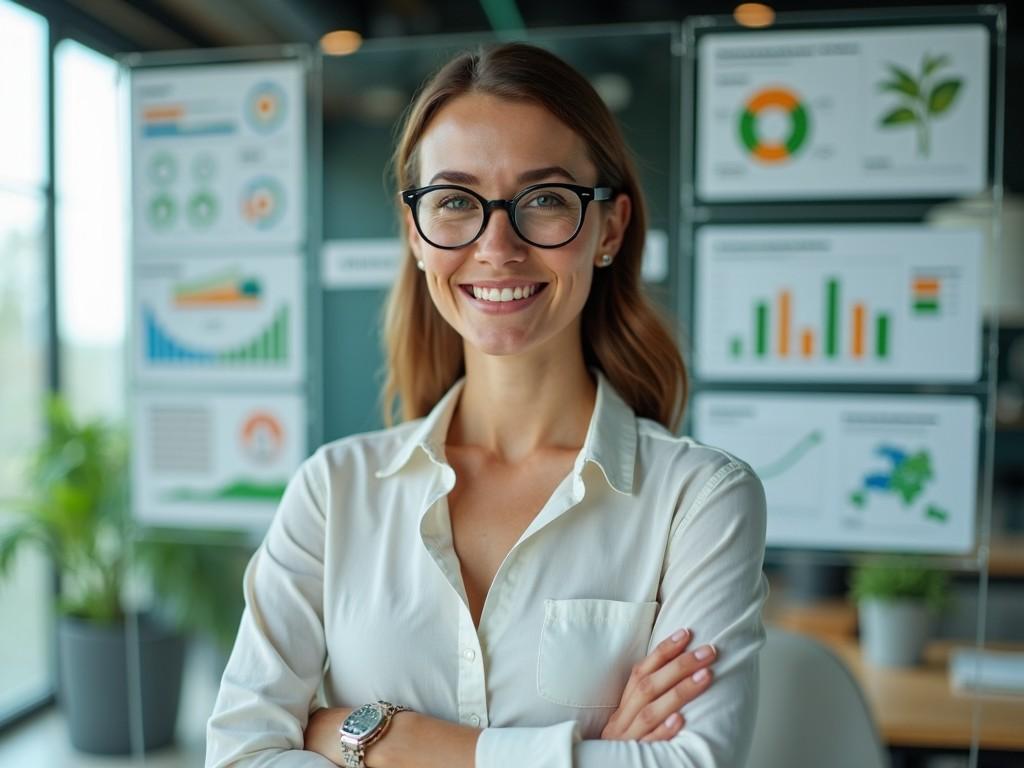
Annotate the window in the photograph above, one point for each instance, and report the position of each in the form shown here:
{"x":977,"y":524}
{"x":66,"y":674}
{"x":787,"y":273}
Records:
{"x":25,"y":596}
{"x":90,"y":231}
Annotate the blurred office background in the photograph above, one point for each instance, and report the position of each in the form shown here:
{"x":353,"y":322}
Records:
{"x":69,"y":318}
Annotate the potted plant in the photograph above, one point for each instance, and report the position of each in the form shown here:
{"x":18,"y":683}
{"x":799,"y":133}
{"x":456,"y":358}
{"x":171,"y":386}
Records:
{"x":897,"y":598}
{"x":79,"y":515}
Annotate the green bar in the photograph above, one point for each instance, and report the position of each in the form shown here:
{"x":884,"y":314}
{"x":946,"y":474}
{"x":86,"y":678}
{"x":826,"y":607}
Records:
{"x":832,"y":318}
{"x":736,"y":347}
{"x":762,"y":329}
{"x":283,"y":330}
{"x":926,"y":306}
{"x":882,"y":336}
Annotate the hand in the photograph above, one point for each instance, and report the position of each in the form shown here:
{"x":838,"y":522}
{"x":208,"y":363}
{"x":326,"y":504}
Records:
{"x":658,"y":688}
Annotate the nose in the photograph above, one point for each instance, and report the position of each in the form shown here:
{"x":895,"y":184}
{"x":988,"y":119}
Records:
{"x":499,"y":244}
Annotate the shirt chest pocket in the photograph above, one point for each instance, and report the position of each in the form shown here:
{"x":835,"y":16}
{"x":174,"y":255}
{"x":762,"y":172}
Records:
{"x":588,"y":647}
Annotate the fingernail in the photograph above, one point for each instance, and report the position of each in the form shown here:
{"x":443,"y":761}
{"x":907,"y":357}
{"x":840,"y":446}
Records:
{"x":680,"y":635}
{"x":704,"y":652}
{"x":700,"y":675}
{"x":671,"y":720}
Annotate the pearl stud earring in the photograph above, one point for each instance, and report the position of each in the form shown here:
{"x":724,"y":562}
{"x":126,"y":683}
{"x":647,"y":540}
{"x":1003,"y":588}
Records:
{"x":606,"y":259}
{"x":420,"y":265}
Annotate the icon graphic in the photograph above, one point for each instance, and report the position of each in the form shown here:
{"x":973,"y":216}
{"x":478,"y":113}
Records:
{"x":202,"y":209}
{"x":767,"y":150}
{"x":262,"y":437}
{"x":921,"y":99}
{"x":265,"y":107}
{"x":263,"y":202}
{"x":163,"y":169}
{"x":162,"y":211}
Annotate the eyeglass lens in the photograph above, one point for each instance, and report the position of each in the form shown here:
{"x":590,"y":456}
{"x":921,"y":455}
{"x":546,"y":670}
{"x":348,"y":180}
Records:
{"x":545,"y":216}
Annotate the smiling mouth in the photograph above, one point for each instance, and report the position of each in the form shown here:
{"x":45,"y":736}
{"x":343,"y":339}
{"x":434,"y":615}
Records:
{"x":504,"y":295}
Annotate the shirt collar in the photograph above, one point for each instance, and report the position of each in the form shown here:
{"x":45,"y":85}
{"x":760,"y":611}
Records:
{"x":610,"y":442}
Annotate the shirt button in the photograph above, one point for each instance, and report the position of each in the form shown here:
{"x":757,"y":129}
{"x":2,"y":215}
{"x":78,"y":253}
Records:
{"x":469,"y":654}
{"x":474,"y":719}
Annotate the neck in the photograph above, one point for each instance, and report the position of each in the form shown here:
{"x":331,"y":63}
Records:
{"x":514,"y":407}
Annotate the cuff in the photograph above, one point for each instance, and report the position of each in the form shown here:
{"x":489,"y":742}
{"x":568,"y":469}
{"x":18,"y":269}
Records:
{"x":541,"y":747}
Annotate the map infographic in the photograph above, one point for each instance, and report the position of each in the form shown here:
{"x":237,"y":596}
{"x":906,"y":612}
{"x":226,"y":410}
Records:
{"x":855,"y":472}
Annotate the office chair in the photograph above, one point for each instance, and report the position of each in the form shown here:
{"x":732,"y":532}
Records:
{"x":811,"y":712}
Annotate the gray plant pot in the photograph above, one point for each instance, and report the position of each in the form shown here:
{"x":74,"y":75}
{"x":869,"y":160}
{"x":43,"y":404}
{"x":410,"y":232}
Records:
{"x":893,"y":633}
{"x":94,"y":684}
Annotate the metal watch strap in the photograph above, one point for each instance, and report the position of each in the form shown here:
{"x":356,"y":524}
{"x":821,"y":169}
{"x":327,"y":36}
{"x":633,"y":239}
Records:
{"x":355,"y":756}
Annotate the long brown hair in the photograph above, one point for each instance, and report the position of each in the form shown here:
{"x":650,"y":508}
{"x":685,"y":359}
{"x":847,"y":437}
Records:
{"x":623,"y":334}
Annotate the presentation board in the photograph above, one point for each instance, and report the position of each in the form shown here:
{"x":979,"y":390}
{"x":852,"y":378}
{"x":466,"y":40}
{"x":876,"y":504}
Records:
{"x":897,"y":303}
{"x":218,"y":460}
{"x":855,"y":472}
{"x":218,"y":320}
{"x":850,"y":113}
{"x":218,"y":155}
{"x":219,"y":301}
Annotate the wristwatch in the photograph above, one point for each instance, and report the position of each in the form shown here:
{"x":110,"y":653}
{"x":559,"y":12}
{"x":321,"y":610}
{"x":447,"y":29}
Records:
{"x":362,"y":728}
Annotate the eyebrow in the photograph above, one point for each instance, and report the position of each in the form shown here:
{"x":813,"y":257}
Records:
{"x":527,"y":177}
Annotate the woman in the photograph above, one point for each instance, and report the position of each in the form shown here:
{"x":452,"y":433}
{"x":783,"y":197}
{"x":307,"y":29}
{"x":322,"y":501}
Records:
{"x":516,"y":562}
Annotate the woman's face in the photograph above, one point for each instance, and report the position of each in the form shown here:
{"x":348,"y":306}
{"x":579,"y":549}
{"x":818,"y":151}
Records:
{"x":496,"y":148}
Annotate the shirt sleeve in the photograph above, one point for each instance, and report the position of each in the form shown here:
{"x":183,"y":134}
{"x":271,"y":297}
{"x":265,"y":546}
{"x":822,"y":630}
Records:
{"x":277,"y":662}
{"x":713,"y":584}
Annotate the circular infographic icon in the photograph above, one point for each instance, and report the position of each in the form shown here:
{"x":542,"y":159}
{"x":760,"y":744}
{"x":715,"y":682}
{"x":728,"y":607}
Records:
{"x":202,"y":209}
{"x":163,"y":169}
{"x":263,"y":202}
{"x":262,"y":437}
{"x":204,"y":167}
{"x":162,"y":211}
{"x":265,"y":107}
{"x":773,"y":100}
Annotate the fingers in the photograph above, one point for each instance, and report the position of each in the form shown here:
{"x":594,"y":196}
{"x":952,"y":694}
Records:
{"x":658,"y":715}
{"x":669,"y":727}
{"x":666,"y":690}
{"x":663,"y":652}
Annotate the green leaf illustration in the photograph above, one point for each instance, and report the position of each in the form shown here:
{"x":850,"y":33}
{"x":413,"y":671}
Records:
{"x":900,"y":116}
{"x":932,"y":64}
{"x":903,"y":81}
{"x":942,"y":96}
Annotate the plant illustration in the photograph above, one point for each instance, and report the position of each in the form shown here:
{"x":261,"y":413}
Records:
{"x":921,"y":99}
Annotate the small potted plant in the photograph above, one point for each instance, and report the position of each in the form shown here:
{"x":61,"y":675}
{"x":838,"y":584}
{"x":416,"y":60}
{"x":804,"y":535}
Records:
{"x":897,"y":599}
{"x":79,"y":515}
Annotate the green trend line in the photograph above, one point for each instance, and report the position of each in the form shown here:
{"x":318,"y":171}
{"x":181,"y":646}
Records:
{"x":792,"y":456}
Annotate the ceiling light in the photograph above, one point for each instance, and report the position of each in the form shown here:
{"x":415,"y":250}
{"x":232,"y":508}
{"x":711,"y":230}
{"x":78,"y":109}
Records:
{"x":341,"y":42}
{"x":754,"y":15}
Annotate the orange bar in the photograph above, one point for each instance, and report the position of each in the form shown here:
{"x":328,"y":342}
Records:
{"x":807,"y":342}
{"x":163,"y":113}
{"x":858,"y":330}
{"x":784,"y":302}
{"x":926,"y":285}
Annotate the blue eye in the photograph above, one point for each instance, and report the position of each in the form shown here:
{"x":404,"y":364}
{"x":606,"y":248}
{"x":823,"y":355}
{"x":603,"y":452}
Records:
{"x":456,"y":203}
{"x":546,"y":200}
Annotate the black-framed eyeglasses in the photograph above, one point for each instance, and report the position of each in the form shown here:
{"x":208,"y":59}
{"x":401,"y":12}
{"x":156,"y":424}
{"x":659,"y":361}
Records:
{"x":545,"y":215}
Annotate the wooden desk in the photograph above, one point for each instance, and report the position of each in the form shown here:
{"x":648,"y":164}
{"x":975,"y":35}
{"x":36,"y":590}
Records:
{"x":916,"y":707}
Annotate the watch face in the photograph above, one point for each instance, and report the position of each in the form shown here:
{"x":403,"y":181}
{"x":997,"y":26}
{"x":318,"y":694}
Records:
{"x":362,"y":721}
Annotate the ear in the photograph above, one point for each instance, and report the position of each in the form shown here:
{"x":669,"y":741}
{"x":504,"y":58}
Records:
{"x":617,"y":214}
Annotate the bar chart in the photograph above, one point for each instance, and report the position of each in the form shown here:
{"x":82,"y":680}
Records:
{"x":896,"y":303}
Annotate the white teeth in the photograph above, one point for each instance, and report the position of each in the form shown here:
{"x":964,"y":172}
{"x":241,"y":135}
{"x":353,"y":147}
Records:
{"x":504,"y":294}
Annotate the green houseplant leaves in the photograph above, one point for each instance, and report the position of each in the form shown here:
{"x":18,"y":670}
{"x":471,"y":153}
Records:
{"x":921,"y":99}
{"x":78,"y":514}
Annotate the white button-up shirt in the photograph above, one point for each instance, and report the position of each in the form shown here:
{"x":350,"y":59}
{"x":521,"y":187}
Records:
{"x":357,"y":587}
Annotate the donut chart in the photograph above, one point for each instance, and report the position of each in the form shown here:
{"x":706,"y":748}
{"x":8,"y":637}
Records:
{"x":781,"y":99}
